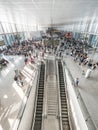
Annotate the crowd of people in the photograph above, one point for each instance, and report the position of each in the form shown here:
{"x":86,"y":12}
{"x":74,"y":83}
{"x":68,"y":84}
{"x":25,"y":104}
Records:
{"x":79,"y":52}
{"x":31,"y":50}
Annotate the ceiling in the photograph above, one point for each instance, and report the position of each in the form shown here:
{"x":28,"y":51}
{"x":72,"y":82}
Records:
{"x":47,"y":12}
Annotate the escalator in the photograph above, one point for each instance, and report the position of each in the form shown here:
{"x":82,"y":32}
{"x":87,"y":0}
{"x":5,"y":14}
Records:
{"x":39,"y":106}
{"x":64,"y":109}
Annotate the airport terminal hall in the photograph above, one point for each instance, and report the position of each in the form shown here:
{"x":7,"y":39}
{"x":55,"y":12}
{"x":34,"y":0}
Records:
{"x":48,"y":64}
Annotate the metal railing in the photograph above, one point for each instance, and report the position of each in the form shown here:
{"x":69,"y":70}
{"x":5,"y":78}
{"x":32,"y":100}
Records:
{"x":59,"y":100}
{"x":45,"y":88}
{"x":35,"y":101}
{"x":45,"y":95}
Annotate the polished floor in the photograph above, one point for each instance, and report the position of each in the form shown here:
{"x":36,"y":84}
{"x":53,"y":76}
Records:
{"x":11,"y":94}
{"x":88,"y":87}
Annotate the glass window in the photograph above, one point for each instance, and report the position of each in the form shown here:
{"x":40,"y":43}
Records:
{"x":1,"y":31}
{"x":93,"y":28}
{"x":13,"y":28}
{"x":9,"y":39}
{"x":24,"y":28}
{"x":22,"y":36}
{"x":7,"y":27}
{"x":19,"y":28}
{"x":1,"y":40}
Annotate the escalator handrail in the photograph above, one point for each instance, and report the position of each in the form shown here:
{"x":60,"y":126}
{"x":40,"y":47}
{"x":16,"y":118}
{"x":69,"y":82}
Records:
{"x":35,"y":101}
{"x":45,"y":95}
{"x":59,"y":100}
{"x":45,"y":88}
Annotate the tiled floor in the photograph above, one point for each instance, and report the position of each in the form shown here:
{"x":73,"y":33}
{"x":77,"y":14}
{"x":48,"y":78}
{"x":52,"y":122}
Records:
{"x":88,"y":88}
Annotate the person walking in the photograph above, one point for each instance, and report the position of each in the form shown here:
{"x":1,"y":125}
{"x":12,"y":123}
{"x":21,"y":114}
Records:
{"x":76,"y":81}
